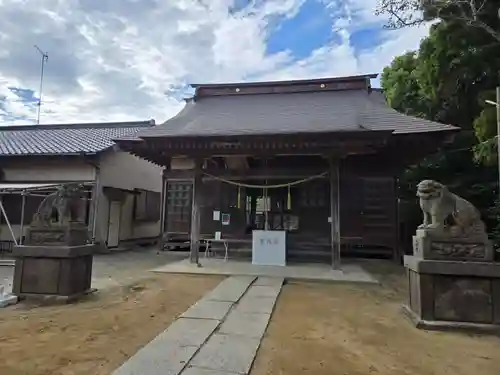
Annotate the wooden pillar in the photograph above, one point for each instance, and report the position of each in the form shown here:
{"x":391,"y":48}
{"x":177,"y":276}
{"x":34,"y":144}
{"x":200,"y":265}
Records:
{"x":398,"y":252}
{"x":335,"y":212}
{"x":195,"y":213}
{"x":164,"y":207}
{"x":253,"y":209}
{"x":95,"y":196}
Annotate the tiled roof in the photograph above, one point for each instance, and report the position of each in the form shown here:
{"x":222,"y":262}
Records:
{"x":65,"y":139}
{"x":288,"y":113}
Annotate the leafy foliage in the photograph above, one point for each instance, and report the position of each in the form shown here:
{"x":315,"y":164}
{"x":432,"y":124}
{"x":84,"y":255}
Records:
{"x":448,"y":80}
{"x":473,"y":15}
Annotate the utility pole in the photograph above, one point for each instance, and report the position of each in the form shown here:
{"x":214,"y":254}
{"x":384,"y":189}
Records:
{"x":45,"y":58}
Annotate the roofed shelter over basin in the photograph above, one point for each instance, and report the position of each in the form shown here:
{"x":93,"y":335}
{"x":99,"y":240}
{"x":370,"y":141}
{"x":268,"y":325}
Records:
{"x":317,"y":159}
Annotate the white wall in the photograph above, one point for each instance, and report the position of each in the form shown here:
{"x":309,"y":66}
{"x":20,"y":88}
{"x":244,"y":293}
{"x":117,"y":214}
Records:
{"x":126,"y":171}
{"x":182,"y":163}
{"x":117,"y":169}
{"x":30,"y":170}
{"x":56,"y":170}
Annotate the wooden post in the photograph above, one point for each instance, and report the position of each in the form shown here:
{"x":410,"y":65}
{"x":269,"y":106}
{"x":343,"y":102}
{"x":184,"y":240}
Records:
{"x":195,"y":214}
{"x":96,"y":192}
{"x":23,"y":209}
{"x":334,"y":212}
{"x":164,"y":207}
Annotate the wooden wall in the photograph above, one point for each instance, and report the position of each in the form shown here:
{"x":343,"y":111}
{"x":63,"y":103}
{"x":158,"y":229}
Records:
{"x":368,"y":212}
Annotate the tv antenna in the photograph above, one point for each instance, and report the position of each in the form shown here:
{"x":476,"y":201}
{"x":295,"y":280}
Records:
{"x":45,"y":58}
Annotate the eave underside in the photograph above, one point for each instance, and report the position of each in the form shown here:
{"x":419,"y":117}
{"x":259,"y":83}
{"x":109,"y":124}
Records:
{"x":404,"y":149}
{"x":160,"y":150}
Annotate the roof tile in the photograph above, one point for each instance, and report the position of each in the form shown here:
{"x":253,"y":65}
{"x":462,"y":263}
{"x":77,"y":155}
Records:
{"x":289,"y":113}
{"x":65,"y":139}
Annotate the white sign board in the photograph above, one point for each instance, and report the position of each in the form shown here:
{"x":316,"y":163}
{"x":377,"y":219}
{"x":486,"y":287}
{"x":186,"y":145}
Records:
{"x":216,"y":215}
{"x":269,"y":247}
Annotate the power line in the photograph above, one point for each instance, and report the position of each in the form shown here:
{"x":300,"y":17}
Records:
{"x":45,"y":58}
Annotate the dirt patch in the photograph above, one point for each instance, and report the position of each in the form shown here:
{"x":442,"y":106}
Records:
{"x":95,"y":336}
{"x":337,"y":329}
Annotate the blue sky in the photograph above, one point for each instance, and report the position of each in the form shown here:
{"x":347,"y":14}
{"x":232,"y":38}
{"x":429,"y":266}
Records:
{"x":313,"y":27}
{"x":119,"y":60}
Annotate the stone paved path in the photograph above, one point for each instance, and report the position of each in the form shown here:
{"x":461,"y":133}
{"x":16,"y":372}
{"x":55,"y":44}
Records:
{"x":219,"y":335}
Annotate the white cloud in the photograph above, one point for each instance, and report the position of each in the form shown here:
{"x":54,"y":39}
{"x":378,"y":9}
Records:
{"x":127,"y":59}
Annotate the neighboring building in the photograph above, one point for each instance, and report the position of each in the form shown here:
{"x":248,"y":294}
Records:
{"x":35,"y":157}
{"x":336,"y":139}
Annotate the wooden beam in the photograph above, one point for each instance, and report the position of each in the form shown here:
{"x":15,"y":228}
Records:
{"x":334,"y":212}
{"x":194,"y":255}
{"x":158,"y":152}
{"x":248,"y":174}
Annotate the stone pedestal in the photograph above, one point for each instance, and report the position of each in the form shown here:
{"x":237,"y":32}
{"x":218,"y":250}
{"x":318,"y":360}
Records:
{"x":428,"y":244}
{"x":73,"y":234}
{"x":453,"y":284}
{"x":55,"y":264}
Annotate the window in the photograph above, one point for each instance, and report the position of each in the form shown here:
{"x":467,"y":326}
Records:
{"x":229,"y":195}
{"x":12,"y":204}
{"x":147,"y":205}
{"x":314,"y":194}
{"x":179,"y":197}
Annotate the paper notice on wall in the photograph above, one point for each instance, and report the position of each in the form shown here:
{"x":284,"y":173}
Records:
{"x":216,"y":215}
{"x":226,"y":219}
{"x":329,"y":219}
{"x":217,"y":235}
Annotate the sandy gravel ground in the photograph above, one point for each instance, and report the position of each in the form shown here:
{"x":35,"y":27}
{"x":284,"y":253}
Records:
{"x":95,"y":336}
{"x":337,"y":329}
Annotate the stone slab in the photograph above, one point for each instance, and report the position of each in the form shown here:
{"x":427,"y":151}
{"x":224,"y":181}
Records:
{"x":437,"y":245}
{"x":53,"y":251}
{"x":230,"y":353}
{"x":264,"y":291}
{"x":204,"y":309}
{"x":256,"y":305}
{"x":230,"y":289}
{"x":187,"y":332}
{"x":157,"y":359}
{"x":204,"y":371}
{"x":317,"y":272}
{"x":7,"y":300}
{"x":437,"y":325}
{"x":448,"y":267}
{"x":245,"y":324}
{"x":268,"y":281}
{"x":45,"y":299}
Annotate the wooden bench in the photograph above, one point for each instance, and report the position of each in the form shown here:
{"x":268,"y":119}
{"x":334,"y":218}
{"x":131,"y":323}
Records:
{"x":209,"y":252}
{"x":225,"y":242}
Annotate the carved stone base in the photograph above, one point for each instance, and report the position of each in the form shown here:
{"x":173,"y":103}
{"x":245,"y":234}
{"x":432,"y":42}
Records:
{"x":46,"y":299}
{"x":453,"y":295}
{"x":428,"y":244}
{"x":428,"y":325}
{"x":73,"y":234}
{"x":47,"y":272}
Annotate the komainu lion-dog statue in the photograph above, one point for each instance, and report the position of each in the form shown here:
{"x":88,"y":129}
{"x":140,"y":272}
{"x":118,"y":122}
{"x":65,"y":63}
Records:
{"x":64,"y":201}
{"x":439,"y":205}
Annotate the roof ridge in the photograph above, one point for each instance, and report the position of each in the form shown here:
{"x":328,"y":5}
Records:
{"x":286,"y":82}
{"x":89,"y":125}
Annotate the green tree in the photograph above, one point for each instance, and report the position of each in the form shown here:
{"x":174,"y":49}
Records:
{"x":401,"y":87}
{"x":485,"y":127}
{"x":446,"y":81}
{"x":473,"y":15}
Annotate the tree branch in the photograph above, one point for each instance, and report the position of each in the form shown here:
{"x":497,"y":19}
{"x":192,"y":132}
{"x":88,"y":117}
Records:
{"x":403,"y":13}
